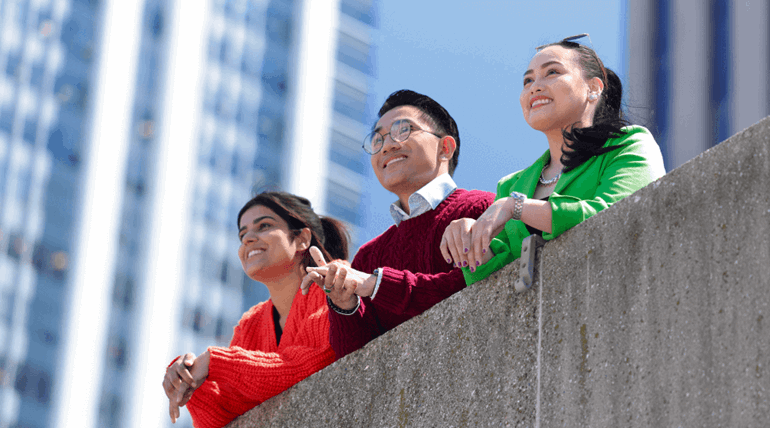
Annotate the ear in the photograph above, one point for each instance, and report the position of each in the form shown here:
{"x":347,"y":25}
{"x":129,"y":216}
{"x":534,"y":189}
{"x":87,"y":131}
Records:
{"x":596,"y":86}
{"x":447,"y":148}
{"x":304,"y":238}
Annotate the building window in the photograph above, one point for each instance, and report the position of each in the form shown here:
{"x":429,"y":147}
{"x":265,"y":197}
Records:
{"x":123,"y":291}
{"x":16,"y":246}
{"x":116,"y":352}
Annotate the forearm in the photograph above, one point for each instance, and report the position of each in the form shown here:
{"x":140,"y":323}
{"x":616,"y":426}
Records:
{"x":410,"y":294}
{"x":537,"y":214}
{"x":348,"y":333}
{"x":260,"y":375}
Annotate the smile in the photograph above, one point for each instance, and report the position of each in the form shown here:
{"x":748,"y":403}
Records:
{"x":392,"y":160}
{"x":539,"y":101}
{"x":254,"y":252}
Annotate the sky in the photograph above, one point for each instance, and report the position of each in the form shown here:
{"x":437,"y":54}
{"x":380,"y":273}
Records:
{"x":470,"y":57}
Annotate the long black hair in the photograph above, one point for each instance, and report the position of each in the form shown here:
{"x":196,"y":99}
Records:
{"x":328,"y":234}
{"x":585,"y":143}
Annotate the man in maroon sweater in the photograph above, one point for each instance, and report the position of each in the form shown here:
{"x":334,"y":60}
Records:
{"x":401,"y":273}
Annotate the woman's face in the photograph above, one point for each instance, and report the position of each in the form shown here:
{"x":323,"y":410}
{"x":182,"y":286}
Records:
{"x":555,"y":93}
{"x":268,"y":248}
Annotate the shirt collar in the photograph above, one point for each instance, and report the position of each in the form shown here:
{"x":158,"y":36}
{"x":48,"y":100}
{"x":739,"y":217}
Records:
{"x":425,"y":199}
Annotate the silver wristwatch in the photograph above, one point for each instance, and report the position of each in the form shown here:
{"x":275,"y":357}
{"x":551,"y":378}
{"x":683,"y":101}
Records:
{"x":518,"y":204}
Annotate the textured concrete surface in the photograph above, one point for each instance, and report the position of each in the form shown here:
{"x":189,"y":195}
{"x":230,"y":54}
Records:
{"x":649,"y":314}
{"x":465,"y":362}
{"x":653,"y":312}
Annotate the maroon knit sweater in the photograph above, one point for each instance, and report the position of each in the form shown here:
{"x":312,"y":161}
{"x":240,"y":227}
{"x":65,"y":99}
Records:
{"x":415,"y":275}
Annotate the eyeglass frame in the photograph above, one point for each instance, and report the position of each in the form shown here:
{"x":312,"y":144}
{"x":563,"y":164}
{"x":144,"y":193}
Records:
{"x":412,"y":127}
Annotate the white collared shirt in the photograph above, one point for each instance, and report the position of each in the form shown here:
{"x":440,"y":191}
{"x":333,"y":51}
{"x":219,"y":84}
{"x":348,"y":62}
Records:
{"x":425,"y":199}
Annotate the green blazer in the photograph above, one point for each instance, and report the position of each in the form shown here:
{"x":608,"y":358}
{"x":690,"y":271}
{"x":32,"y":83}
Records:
{"x":579,"y":194}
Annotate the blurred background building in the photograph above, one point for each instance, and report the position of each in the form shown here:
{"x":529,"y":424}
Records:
{"x":697,"y":71}
{"x":271,"y":90}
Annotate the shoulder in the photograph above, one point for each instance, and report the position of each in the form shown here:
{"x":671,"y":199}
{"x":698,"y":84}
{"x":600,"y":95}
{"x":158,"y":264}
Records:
{"x":463,"y":203}
{"x":632,"y":134}
{"x":254,"y":314}
{"x":368,"y":250}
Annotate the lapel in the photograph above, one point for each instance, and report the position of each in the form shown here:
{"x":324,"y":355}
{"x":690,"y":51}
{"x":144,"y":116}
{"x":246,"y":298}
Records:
{"x":527,"y":183}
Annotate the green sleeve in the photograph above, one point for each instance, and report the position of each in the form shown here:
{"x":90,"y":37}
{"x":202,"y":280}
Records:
{"x":610,"y":178}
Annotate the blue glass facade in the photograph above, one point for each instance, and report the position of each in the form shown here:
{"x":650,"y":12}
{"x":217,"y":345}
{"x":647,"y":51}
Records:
{"x":46,"y":58}
{"x":355,"y":70}
{"x":129,"y":284}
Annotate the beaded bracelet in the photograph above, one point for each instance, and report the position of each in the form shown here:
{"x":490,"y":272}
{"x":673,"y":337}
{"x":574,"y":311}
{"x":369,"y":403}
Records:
{"x":341,"y":311}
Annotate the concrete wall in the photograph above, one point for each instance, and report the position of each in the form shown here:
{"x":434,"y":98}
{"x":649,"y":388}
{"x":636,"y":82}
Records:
{"x":649,"y":314}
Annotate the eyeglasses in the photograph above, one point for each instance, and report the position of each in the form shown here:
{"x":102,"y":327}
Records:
{"x":399,"y":132}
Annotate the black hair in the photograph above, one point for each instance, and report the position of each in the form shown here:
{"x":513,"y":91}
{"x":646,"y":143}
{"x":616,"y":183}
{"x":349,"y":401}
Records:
{"x":433,"y":113}
{"x":328,"y":234}
{"x":585,"y":143}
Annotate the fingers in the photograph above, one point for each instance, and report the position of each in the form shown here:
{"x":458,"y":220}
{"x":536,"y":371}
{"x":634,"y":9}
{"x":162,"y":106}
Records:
{"x":330,"y":277}
{"x":173,"y":411}
{"x":444,"y":247}
{"x":183,"y":369}
{"x":316,"y":254}
{"x":308,"y":281}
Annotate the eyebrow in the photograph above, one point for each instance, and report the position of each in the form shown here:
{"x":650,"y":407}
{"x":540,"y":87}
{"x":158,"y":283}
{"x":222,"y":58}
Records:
{"x":542,"y":66}
{"x":256,"y":220}
{"x":377,"y":129}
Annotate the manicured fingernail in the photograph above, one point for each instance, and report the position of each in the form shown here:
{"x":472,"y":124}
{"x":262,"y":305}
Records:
{"x":449,"y":260}
{"x":473,"y":269}
{"x":465,"y":250}
{"x":465,"y":263}
{"x":483,"y":251}
{"x":478,"y":263}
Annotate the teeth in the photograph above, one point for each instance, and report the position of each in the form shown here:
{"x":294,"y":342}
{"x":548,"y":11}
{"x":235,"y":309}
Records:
{"x":395,"y":160}
{"x":253,"y":252}
{"x":541,"y":101}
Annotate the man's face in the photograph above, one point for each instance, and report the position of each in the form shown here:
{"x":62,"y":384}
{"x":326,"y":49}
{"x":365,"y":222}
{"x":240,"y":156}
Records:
{"x":403,"y":168}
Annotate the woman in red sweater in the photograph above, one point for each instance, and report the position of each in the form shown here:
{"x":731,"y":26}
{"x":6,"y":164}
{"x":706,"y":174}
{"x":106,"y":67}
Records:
{"x":277,"y":343}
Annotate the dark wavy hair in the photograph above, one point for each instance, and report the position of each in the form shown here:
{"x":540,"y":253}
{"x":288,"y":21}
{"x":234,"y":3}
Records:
{"x":585,"y":143}
{"x":328,"y":234}
{"x":433,"y":113}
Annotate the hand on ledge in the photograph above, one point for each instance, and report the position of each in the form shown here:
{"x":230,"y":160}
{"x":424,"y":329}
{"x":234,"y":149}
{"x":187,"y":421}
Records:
{"x":182,"y":378}
{"x":466,"y":241}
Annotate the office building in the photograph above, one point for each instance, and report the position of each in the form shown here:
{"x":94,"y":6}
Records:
{"x":697,"y":71}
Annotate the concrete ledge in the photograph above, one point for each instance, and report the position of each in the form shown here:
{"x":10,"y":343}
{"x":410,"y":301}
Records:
{"x":648,"y":314}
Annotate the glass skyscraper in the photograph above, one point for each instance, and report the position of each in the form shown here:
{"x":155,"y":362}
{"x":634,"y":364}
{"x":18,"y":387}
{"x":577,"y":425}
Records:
{"x":47,"y":52}
{"x":216,"y":97}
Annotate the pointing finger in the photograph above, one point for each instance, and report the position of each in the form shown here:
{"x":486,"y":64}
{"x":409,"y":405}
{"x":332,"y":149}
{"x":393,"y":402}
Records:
{"x":317,"y":256}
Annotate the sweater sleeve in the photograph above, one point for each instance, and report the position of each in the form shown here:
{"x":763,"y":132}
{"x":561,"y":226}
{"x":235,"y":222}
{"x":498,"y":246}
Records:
{"x":624,"y":171}
{"x":240,"y":378}
{"x":412,"y":293}
{"x":348,"y":333}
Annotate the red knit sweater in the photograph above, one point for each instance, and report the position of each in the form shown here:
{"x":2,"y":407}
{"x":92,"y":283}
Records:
{"x":253,"y":369}
{"x":415,"y":275}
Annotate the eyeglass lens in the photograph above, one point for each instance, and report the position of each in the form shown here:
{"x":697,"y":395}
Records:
{"x":399,"y":132}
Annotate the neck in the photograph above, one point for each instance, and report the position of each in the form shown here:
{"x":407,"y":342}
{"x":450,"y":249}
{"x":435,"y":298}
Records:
{"x":555,"y":146}
{"x":283,"y":289}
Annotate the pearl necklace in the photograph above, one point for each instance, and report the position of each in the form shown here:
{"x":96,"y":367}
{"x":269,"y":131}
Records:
{"x":550,"y":181}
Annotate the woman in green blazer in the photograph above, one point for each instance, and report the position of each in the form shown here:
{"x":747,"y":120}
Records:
{"x":593,"y":160}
